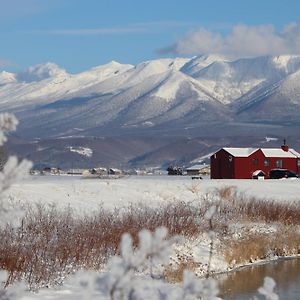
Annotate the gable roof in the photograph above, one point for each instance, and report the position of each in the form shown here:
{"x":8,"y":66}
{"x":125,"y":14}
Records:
{"x":268,"y":152}
{"x":279,"y":153}
{"x":240,"y":152}
{"x":197,"y":167}
{"x":258,"y":173}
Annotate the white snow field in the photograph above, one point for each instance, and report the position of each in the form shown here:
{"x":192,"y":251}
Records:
{"x":85,"y":195}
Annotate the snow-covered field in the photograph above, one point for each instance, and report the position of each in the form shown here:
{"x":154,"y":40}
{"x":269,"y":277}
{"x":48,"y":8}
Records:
{"x":85,"y":195}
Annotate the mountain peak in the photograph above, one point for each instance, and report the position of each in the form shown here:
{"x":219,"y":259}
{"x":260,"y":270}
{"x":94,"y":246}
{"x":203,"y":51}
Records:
{"x":199,"y":62}
{"x":201,"y":89}
{"x":114,"y":62}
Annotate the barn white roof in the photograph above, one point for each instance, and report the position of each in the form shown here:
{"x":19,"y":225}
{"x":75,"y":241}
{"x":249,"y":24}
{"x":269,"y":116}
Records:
{"x":279,"y":153}
{"x":268,"y":152}
{"x":240,"y":152}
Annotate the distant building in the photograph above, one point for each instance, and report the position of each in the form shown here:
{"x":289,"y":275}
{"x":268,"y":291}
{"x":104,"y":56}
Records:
{"x":98,"y":171}
{"x":247,"y":163}
{"x":198,"y":170}
{"x":75,"y":171}
{"x":52,"y":171}
{"x":114,"y":171}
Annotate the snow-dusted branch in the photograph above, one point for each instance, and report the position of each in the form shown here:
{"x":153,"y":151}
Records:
{"x":127,"y":276}
{"x":11,"y":173}
{"x":8,"y":122}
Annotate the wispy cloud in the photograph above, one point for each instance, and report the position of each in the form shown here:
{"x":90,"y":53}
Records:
{"x":146,"y":27}
{"x":90,"y":31}
{"x":242,"y":40}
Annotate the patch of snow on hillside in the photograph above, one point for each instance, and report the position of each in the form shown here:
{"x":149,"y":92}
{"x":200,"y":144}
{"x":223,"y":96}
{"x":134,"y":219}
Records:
{"x":290,"y":88}
{"x":148,"y":124}
{"x":288,"y":63}
{"x":175,"y":81}
{"x":169,"y":90}
{"x":270,"y":139}
{"x":82,"y":151}
{"x":202,"y":158}
{"x":197,"y":63}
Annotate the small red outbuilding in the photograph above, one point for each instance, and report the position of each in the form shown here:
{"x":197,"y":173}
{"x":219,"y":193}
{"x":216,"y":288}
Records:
{"x":243,"y":163}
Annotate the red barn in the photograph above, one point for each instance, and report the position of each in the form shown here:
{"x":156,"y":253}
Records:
{"x":245,"y":163}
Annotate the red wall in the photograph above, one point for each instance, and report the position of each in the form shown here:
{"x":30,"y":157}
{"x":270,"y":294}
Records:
{"x":243,"y":167}
{"x":221,"y":166}
{"x":289,"y":163}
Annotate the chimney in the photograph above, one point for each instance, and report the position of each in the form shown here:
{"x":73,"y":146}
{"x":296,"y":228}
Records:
{"x":285,"y":147}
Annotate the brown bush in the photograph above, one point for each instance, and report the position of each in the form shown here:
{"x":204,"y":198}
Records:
{"x":258,"y":246}
{"x":174,"y":273}
{"x":52,"y":243}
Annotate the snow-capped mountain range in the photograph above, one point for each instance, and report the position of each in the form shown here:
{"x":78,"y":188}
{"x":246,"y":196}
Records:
{"x":161,"y":95}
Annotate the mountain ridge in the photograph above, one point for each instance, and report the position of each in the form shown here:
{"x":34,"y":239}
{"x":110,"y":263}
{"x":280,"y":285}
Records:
{"x":161,"y":94}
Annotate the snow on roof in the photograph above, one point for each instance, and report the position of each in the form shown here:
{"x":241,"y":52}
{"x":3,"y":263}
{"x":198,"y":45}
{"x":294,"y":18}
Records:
{"x":258,"y":172}
{"x":269,"y":152}
{"x":197,"y":167}
{"x":295,"y":152}
{"x":240,"y":152}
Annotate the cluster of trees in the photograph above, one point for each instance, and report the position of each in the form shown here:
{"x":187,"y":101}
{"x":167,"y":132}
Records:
{"x":175,"y":170}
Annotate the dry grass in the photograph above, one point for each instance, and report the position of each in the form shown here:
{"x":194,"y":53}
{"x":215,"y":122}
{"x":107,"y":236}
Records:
{"x":174,"y":272}
{"x":258,"y":246}
{"x":51,"y":243}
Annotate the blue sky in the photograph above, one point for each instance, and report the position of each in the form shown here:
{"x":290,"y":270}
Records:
{"x":78,"y":35}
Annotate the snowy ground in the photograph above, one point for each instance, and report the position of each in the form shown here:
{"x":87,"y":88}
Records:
{"x":85,"y":195}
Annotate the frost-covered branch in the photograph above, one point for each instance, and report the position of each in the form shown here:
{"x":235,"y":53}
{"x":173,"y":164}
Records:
{"x":12,"y":172}
{"x":8,"y":122}
{"x":209,"y":214}
{"x":126,"y":275}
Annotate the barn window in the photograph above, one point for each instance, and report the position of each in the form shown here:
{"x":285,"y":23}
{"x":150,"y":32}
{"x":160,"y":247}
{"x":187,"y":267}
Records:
{"x":266,"y":162}
{"x":230,"y":158}
{"x":279,"y":163}
{"x":298,"y":162}
{"x":255,"y":162}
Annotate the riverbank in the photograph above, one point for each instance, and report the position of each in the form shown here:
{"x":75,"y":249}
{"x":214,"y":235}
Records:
{"x":236,"y":285}
{"x":79,"y":223}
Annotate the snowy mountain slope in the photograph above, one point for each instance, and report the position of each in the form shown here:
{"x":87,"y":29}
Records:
{"x":197,"y":63}
{"x":164,"y":97}
{"x":46,"y":83}
{"x":229,"y":80}
{"x":162,"y":94}
{"x":281,"y":100}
